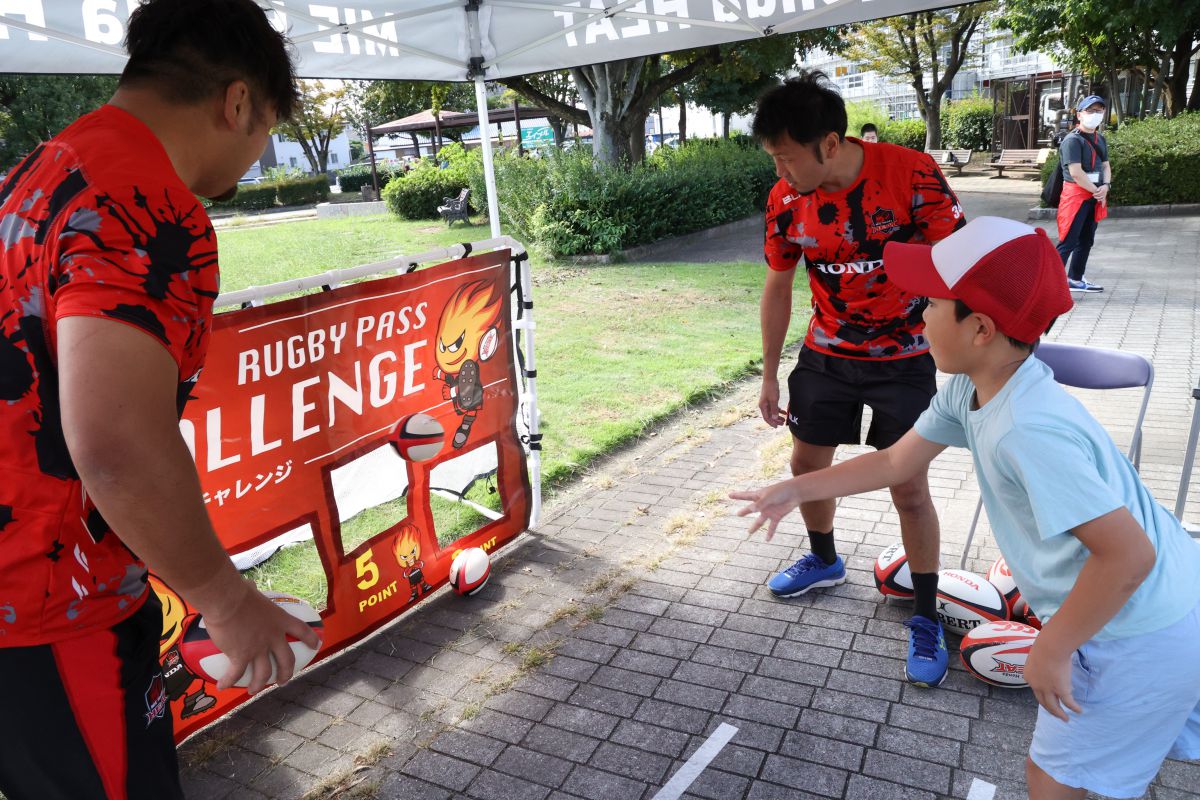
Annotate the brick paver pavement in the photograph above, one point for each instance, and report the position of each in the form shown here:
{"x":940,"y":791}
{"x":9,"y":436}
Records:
{"x":617,"y":637}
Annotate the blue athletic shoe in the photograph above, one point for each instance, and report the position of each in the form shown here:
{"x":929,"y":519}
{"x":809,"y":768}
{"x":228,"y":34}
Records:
{"x":927,"y":661}
{"x":810,"y":572}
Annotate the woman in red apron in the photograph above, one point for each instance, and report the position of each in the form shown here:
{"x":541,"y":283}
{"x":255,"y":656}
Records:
{"x":1083,"y":158}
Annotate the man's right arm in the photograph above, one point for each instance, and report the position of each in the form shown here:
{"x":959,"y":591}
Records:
{"x":117,"y":392}
{"x":775,"y":313}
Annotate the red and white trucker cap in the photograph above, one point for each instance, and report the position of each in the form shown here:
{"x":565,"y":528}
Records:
{"x":999,"y":267}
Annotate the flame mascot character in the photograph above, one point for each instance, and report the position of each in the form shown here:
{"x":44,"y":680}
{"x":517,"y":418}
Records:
{"x":177,"y":677}
{"x":408,"y":554}
{"x":466,"y":335}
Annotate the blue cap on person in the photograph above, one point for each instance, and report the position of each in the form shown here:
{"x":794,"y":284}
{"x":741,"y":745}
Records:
{"x":999,"y":267}
{"x":1089,"y":100}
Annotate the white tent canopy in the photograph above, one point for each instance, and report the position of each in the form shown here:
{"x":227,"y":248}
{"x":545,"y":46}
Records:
{"x":443,"y":40}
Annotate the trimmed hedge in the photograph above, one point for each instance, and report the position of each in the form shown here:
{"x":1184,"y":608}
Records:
{"x":967,"y":124}
{"x":422,"y":189}
{"x":1154,"y":161}
{"x":352,"y":179}
{"x":301,"y":192}
{"x":252,"y":197}
{"x":419,"y":193}
{"x":908,"y":133}
{"x":565,"y":204}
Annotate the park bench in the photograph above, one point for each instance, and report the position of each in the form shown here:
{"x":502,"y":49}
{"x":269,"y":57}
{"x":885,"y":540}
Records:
{"x":1027,"y":160}
{"x":453,"y":208}
{"x":951,"y":158}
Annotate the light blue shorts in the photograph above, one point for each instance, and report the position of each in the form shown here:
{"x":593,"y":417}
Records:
{"x":1141,"y":704}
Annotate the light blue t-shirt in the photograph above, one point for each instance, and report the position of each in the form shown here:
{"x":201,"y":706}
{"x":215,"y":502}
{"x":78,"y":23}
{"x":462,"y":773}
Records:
{"x":1045,"y":466}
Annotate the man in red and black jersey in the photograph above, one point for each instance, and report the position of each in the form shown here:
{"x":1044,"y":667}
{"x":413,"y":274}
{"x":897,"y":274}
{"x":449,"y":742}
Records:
{"x":838,"y":201}
{"x":108,"y":273}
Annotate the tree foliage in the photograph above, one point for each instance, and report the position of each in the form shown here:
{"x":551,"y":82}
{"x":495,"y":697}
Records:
{"x":317,"y":122}
{"x":34,"y":108}
{"x":1101,"y":38}
{"x":912,"y":47}
{"x":618,"y":96}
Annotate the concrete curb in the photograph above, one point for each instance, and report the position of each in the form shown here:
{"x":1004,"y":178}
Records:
{"x":1167,"y":210}
{"x":668,"y":247}
{"x":339,"y":210}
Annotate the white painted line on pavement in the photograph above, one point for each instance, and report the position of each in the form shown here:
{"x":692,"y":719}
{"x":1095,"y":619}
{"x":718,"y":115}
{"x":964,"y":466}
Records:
{"x":981,"y":790}
{"x":700,"y":759}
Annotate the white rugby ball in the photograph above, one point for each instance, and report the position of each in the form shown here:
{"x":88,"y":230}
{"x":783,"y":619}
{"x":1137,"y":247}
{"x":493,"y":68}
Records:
{"x":966,"y":600}
{"x":470,"y":570}
{"x":892,"y":575}
{"x":202,"y":657}
{"x":995,"y":652}
{"x":418,"y":437}
{"x":1000,"y":577}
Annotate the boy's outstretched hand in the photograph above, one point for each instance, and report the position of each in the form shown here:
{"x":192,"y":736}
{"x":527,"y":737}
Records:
{"x":771,"y":504}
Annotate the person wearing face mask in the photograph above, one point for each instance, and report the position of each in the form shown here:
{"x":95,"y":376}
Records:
{"x":1087,"y":177}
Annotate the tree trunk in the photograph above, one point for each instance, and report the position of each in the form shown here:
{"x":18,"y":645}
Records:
{"x":1117,"y":101}
{"x":682,"y":120}
{"x":1180,"y":59}
{"x":607,"y":92}
{"x":933,"y":123}
{"x":1193,"y":103}
{"x":559,"y":127}
{"x":725,"y":126}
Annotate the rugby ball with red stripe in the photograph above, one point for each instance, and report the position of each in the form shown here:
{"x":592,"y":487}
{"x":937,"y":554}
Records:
{"x":470,"y":570}
{"x":892,"y":575}
{"x":418,"y":437}
{"x":202,"y":657}
{"x":966,"y":600}
{"x":1031,"y":619}
{"x":995,"y":652}
{"x":1000,"y":577}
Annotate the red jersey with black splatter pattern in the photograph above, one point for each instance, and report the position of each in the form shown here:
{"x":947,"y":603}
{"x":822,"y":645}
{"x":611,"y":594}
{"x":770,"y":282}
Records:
{"x":93,"y":223}
{"x":900,"y":195}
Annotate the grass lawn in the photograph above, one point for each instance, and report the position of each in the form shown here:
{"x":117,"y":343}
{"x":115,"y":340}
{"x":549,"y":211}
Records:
{"x":256,"y":256}
{"x":619,"y":347}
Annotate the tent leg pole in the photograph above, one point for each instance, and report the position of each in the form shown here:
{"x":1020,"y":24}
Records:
{"x":489,"y":170}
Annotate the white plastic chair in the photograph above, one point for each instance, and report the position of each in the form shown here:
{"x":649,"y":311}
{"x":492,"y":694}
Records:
{"x":1091,"y":368}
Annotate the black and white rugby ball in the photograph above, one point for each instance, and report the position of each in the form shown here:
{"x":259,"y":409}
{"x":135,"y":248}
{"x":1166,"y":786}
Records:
{"x":995,"y":652}
{"x":1000,"y":577}
{"x":966,"y":601}
{"x":892,"y":575}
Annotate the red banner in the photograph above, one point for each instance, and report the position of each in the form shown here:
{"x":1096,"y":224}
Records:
{"x":295,"y":414}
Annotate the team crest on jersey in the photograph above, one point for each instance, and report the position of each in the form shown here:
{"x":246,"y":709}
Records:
{"x":156,"y":699}
{"x":883,"y":222}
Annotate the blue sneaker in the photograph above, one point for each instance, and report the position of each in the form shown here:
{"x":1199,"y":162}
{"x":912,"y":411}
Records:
{"x":810,"y":572}
{"x":927,"y":660}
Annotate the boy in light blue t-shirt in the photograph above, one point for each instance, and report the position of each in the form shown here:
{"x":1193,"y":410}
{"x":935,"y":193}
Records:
{"x":1112,"y":574}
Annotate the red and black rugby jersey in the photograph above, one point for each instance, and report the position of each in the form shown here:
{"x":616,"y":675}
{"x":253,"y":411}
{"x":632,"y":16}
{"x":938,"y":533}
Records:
{"x":900,"y":195}
{"x":93,"y":223}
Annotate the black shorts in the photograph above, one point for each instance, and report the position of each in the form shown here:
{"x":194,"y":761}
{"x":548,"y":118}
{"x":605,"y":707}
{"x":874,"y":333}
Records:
{"x":88,"y":718}
{"x":827,"y":395}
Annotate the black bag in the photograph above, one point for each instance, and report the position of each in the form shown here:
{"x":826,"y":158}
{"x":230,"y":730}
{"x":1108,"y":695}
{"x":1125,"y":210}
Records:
{"x":1052,"y":191}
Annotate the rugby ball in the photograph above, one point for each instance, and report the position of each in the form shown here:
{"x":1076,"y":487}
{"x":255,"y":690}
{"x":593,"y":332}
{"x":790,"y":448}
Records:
{"x":469,"y":571}
{"x":1000,"y":577}
{"x":892,"y":575}
{"x":203,"y":658}
{"x":995,"y":652}
{"x":418,"y":437}
{"x":966,"y":600}
{"x":1031,"y":619}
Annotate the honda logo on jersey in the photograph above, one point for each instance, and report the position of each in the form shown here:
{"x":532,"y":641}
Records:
{"x":849,"y":267}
